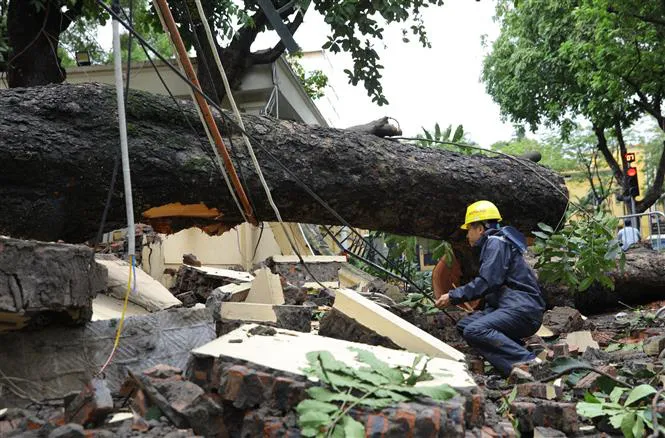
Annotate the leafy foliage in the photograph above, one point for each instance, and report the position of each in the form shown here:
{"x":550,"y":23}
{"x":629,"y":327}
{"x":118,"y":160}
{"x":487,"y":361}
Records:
{"x":421,"y":303}
{"x":375,"y":386}
{"x":632,"y":416}
{"x":314,"y":82}
{"x":581,"y":253}
{"x":4,"y":41}
{"x":433,"y":139}
{"x":557,"y":61}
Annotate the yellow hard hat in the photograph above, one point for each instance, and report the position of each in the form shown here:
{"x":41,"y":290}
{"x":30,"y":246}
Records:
{"x":480,"y":211}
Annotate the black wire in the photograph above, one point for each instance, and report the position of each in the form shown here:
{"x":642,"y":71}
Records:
{"x":257,"y":242}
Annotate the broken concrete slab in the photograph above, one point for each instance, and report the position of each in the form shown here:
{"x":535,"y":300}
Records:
{"x":230,"y":274}
{"x":337,"y":325}
{"x":374,"y":317}
{"x":52,"y":363}
{"x":269,"y":352}
{"x":321,"y":268}
{"x":266,"y":288}
{"x":309,"y":259}
{"x":105,"y":307}
{"x":149,"y":294}
{"x":297,"y":318}
{"x":582,"y":340}
{"x":43,"y":283}
{"x":234,"y":292}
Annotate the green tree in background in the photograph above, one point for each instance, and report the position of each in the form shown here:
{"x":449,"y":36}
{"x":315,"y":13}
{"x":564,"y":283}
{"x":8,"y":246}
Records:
{"x":34,"y":29}
{"x":559,"y":61}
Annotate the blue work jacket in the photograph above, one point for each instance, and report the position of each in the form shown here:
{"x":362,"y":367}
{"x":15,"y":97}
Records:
{"x":505,"y":280}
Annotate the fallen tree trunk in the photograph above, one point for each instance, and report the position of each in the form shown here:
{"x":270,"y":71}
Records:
{"x":641,"y":281}
{"x":58,"y":144}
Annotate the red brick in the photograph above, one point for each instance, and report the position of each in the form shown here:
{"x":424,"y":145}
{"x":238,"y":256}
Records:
{"x":376,"y":426}
{"x":537,"y":390}
{"x":560,"y":350}
{"x":92,"y":405}
{"x":408,"y":419}
{"x":589,"y":381}
{"x":475,"y":409}
{"x":162,"y":371}
{"x":557,"y":415}
{"x":233,"y":382}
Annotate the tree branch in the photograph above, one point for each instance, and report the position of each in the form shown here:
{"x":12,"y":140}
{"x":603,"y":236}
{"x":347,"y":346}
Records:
{"x":622,"y":144}
{"x":70,"y":15}
{"x":609,"y":158}
{"x":656,"y":189}
{"x":270,"y":55}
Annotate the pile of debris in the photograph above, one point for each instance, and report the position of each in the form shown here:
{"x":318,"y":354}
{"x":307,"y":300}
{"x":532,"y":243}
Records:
{"x":237,"y":365}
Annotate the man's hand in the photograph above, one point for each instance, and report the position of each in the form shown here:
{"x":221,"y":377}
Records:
{"x":442,"y":301}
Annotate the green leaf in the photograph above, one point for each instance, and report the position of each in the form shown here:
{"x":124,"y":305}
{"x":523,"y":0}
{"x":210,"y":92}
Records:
{"x":617,"y":419}
{"x":309,"y":432}
{"x":393,"y":375}
{"x":370,"y":376}
{"x":613,"y":347}
{"x":627,"y":424}
{"x":440,"y":392}
{"x":563,"y":364}
{"x":590,"y":410}
{"x":639,"y":393}
{"x":541,"y":235}
{"x":590,"y":398}
{"x":459,"y":134}
{"x":638,"y":428}
{"x":616,"y":393}
{"x":315,"y":405}
{"x":325,"y":395}
{"x":545,"y":228}
{"x":314,"y":419}
{"x":585,"y":284}
{"x":352,"y":428}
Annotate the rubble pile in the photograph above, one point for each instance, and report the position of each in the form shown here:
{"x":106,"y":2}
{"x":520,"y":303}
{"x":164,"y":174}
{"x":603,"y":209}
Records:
{"x":236,"y":367}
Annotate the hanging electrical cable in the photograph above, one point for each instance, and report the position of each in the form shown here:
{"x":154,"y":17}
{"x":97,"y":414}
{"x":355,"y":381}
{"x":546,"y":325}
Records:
{"x":236,"y":113}
{"x":129,"y":205}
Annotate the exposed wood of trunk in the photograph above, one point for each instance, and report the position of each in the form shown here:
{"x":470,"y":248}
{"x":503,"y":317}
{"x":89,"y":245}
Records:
{"x":58,"y":143}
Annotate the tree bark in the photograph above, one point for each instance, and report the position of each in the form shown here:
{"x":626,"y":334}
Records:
{"x":58,"y":144}
{"x":33,"y":37}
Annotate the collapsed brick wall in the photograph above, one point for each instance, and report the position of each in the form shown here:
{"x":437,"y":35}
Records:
{"x":265,"y":399}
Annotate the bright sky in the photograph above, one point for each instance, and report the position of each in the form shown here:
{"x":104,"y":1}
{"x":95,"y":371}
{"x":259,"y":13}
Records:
{"x":423,"y":86}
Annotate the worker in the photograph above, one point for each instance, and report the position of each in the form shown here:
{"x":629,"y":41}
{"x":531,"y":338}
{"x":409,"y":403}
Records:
{"x":513,"y":303}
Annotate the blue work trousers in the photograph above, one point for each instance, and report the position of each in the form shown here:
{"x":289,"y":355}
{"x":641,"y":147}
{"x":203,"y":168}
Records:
{"x":496,"y":335}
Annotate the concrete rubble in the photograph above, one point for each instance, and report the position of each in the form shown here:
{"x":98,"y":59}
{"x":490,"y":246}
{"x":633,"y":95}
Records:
{"x":235,"y":367}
